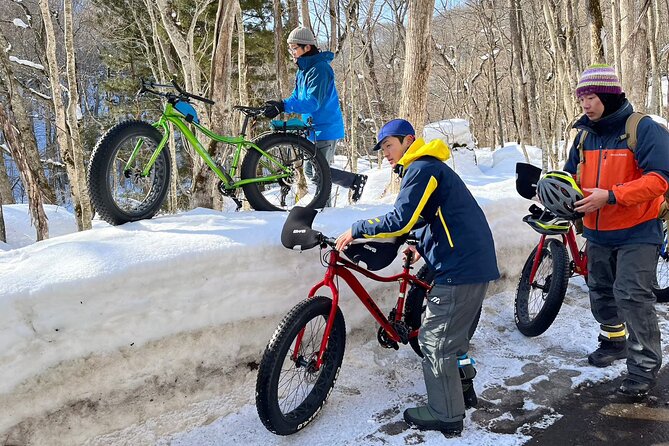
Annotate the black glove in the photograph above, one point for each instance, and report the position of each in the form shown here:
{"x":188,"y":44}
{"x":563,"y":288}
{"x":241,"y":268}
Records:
{"x":273,"y":108}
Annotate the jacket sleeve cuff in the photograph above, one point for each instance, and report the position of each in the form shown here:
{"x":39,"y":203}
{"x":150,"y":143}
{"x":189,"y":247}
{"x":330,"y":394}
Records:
{"x":612,"y":198}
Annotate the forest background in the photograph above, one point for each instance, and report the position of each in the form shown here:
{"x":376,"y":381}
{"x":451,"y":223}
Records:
{"x":70,"y":70}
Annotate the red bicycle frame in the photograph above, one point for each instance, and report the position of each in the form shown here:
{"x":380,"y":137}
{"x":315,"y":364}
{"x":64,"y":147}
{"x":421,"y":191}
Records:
{"x":579,"y":258}
{"x":340,"y":267}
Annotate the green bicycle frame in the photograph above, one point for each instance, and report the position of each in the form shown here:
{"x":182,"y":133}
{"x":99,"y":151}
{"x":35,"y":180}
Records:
{"x":176,"y":118}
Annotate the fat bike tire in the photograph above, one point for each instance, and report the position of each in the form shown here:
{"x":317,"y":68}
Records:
{"x":661,"y":284}
{"x":308,"y":186}
{"x":537,"y":304}
{"x":289,"y":391}
{"x":120,"y":194}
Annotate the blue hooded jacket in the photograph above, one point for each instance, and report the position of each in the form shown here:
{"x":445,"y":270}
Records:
{"x":454,"y":236}
{"x":315,"y":96}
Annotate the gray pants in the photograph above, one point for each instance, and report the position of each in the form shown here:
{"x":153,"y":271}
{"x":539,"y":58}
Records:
{"x":620,"y":280}
{"x":444,"y":335}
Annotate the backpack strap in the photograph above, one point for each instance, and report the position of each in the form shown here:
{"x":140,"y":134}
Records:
{"x":581,"y":158}
{"x":630,"y":129}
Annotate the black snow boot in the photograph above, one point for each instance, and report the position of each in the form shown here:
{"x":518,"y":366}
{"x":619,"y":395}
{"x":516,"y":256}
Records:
{"x":635,"y":387}
{"x":608,"y":352}
{"x":467,"y":374}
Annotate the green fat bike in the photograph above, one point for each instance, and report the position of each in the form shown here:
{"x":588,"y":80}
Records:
{"x":129,"y":171}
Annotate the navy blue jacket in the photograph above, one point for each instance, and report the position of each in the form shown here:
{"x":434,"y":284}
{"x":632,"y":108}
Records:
{"x":315,"y":96}
{"x":455,"y":239}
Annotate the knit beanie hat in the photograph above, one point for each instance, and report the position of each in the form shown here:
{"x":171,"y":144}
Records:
{"x":302,"y":36}
{"x":598,"y":78}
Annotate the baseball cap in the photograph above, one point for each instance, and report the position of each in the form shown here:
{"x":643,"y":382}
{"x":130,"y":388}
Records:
{"x":396,"y":127}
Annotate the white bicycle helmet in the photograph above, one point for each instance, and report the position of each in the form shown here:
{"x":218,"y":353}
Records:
{"x":558,"y":191}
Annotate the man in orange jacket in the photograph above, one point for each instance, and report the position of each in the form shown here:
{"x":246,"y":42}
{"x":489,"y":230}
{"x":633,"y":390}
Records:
{"x":624,"y":190}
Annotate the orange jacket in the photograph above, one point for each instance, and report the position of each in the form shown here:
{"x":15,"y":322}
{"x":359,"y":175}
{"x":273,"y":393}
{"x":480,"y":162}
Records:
{"x":638,"y":179}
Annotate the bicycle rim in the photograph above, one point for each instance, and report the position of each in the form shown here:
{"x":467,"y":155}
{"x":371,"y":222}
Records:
{"x":540,"y":288}
{"x":132,"y":192}
{"x":298,"y":377}
{"x":300,"y":188}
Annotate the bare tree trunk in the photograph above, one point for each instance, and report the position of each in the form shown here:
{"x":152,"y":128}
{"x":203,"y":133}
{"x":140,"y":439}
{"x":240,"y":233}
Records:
{"x":5,"y":186}
{"x":535,"y":104}
{"x":596,"y":25}
{"x":85,"y":213}
{"x":17,"y":148}
{"x":62,"y":135}
{"x":333,"y":25}
{"x":615,"y":32}
{"x":573,"y":65}
{"x":3,"y":232}
{"x":516,"y":65}
{"x":24,"y":125}
{"x":633,"y":52}
{"x":417,"y":64}
{"x":293,"y":14}
{"x":306,"y":18}
{"x":653,"y":36}
{"x":242,"y":66}
{"x":280,"y":49}
{"x":563,"y":91}
{"x":221,"y":68}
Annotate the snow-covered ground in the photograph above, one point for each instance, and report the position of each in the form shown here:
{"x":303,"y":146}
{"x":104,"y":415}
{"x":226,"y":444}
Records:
{"x":150,"y":332}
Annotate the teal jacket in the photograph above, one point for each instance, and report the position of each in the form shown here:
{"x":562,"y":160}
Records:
{"x":454,"y":237}
{"x":315,"y":96}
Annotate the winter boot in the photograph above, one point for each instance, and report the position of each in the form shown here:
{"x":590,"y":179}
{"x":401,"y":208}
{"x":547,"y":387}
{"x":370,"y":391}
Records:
{"x":635,"y":387}
{"x":422,"y":418}
{"x":467,"y":374}
{"x":608,"y":352}
{"x":358,"y":186}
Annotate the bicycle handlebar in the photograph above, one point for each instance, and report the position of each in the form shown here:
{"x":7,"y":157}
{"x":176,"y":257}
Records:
{"x":148,"y":87}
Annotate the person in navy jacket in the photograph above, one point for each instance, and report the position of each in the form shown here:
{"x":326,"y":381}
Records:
{"x":456,"y":242}
{"x":315,"y":97}
{"x":624,"y":192}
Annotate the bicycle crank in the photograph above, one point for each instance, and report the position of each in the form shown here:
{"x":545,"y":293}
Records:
{"x":385,"y":341}
{"x":231,"y":193}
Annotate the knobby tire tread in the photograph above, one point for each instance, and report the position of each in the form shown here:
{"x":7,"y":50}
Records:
{"x":101,"y":157}
{"x":269,"y":370}
{"x":250,"y":163}
{"x":554,"y":297}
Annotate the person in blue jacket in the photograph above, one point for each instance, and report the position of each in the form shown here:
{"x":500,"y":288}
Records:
{"x":456,"y":242}
{"x":315,"y":96}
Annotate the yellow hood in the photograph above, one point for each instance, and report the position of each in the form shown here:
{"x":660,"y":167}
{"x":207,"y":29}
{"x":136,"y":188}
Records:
{"x":436,"y":148}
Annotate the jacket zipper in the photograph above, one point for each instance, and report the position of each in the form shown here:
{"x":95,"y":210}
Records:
{"x":599,"y":170}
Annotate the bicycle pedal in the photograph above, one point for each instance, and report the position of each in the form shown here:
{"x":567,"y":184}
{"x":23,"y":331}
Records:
{"x":385,"y":341}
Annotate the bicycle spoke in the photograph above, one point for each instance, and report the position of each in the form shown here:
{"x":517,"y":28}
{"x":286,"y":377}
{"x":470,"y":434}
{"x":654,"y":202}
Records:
{"x":297,"y":380}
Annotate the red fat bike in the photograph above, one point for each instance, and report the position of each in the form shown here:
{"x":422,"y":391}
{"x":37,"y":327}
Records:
{"x":302,"y":360}
{"x":544,"y":279}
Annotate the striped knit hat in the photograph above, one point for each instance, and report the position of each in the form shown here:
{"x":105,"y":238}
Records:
{"x":599,"y":78}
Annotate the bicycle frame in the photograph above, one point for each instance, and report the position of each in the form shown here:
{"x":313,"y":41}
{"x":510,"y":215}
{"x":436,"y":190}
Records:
{"x":340,"y":267}
{"x":171,"y":115}
{"x":579,"y":258}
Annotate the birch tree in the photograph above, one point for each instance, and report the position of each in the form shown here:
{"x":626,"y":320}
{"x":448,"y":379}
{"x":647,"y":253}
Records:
{"x":14,"y":141}
{"x":16,"y":94}
{"x":221,"y":116}
{"x":75,"y":172}
{"x":85,"y":213}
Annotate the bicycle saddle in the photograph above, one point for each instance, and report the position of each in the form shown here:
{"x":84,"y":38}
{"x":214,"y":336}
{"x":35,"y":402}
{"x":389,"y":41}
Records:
{"x":545,"y":222}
